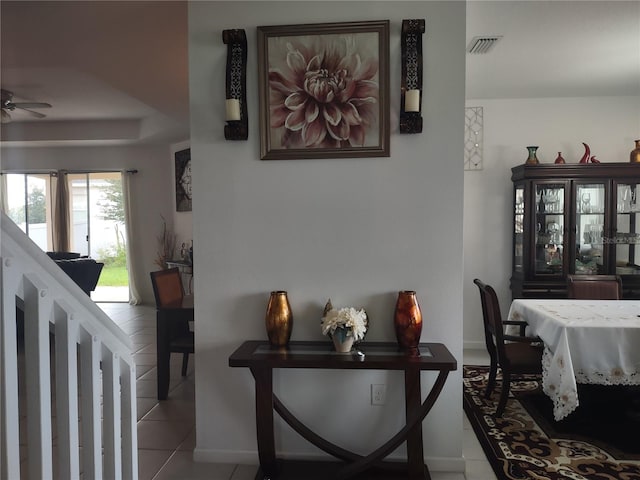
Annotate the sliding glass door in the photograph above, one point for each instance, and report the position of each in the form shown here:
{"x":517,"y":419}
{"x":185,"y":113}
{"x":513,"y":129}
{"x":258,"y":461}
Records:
{"x":98,"y":229}
{"x":97,"y":223}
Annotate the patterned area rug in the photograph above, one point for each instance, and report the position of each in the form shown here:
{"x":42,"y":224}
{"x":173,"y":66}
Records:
{"x":599,"y":441}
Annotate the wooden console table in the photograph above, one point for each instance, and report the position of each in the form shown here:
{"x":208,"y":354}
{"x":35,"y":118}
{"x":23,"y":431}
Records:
{"x":261,"y":359}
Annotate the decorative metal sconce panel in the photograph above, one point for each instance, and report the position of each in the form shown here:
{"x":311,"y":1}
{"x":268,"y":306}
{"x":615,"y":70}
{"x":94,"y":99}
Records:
{"x":411,"y":82}
{"x":237,"y":127}
{"x":473,"y":126}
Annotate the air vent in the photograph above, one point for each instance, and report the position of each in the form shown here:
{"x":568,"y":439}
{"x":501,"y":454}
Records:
{"x":483,"y":44}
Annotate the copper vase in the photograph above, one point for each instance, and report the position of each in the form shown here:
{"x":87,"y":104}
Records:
{"x":634,"y":157}
{"x":407,"y":321}
{"x":279,"y":320}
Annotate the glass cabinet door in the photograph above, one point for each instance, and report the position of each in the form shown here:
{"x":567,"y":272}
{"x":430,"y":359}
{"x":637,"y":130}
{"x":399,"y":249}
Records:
{"x":518,"y":229}
{"x":590,"y":228}
{"x":549,"y":228}
{"x":627,"y":231}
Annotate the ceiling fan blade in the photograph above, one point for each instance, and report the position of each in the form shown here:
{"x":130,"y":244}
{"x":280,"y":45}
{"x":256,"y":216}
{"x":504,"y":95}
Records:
{"x":24,"y":105}
{"x":32,"y":113}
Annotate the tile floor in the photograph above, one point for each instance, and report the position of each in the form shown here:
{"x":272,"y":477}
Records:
{"x":166,"y":430}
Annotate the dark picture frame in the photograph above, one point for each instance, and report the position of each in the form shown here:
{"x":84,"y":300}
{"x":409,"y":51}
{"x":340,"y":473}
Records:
{"x":324,"y":90}
{"x":183,"y":180}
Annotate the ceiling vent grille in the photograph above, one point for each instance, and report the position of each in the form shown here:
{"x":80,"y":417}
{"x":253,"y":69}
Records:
{"x":483,"y":44}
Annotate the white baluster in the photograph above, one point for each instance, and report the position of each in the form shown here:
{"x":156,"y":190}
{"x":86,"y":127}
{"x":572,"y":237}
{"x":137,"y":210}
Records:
{"x":90,"y":395}
{"x":37,"y":311}
{"x":9,"y":435}
{"x":111,"y":414}
{"x":66,"y":333}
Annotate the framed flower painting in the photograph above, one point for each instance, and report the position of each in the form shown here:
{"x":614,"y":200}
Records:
{"x":324,"y":90}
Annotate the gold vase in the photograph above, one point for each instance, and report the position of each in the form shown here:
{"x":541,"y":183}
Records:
{"x":634,"y":157}
{"x":407,"y":321}
{"x":279,"y":320}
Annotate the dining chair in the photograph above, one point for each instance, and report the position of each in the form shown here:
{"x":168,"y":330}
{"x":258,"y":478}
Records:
{"x":516,"y":355}
{"x":173,"y":334}
{"x":594,"y":287}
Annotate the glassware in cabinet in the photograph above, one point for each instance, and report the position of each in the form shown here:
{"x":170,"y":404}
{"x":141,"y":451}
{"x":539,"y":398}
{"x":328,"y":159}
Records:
{"x":627,"y":229}
{"x":590,"y":200}
{"x":549,"y":228}
{"x":518,"y":228}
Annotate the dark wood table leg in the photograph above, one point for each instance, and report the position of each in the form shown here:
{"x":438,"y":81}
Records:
{"x":413,"y":401}
{"x":264,"y":423}
{"x":163,"y":355}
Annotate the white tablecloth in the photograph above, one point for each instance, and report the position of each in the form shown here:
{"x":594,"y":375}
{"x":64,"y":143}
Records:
{"x":585,"y":341}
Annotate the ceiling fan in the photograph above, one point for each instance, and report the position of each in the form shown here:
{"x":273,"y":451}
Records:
{"x":8,"y":105}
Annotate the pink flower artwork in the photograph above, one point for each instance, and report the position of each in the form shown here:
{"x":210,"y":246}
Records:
{"x":324,"y":91}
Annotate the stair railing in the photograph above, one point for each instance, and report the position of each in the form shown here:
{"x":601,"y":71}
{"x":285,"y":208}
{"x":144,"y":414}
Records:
{"x":71,"y":374}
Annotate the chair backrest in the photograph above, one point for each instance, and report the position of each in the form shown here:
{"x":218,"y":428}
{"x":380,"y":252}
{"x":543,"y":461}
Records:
{"x":492,"y":317}
{"x":594,"y":287}
{"x":167,"y":287}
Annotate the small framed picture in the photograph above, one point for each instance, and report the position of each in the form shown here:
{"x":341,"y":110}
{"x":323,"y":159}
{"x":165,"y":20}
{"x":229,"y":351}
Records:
{"x":324,"y":90}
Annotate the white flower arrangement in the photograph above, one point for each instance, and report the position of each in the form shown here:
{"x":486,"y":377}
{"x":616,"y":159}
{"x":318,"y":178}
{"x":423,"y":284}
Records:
{"x":354,"y":321}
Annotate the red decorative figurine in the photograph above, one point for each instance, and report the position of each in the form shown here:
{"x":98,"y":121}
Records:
{"x":587,"y":152}
{"x":587,"y":157}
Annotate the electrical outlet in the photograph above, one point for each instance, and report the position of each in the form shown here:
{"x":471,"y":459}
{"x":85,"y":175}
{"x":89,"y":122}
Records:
{"x":378,"y":394}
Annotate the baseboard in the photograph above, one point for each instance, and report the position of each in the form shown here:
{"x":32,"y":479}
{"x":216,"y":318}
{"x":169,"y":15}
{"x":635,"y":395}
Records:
{"x":201,"y":455}
{"x":472,"y":345}
{"x":435,"y":464}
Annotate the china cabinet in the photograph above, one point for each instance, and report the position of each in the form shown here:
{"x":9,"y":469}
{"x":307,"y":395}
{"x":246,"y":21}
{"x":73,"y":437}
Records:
{"x":574,"y":219}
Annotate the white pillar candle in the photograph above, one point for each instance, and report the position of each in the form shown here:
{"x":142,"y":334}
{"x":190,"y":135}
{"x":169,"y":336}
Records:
{"x":412,"y":101}
{"x":232,"y":106}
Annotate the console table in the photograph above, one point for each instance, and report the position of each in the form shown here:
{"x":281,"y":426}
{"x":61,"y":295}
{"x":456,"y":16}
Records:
{"x":261,"y":359}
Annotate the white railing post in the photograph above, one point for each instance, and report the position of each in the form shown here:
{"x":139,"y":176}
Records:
{"x":129,"y":421}
{"x":37,"y":307}
{"x":66,"y":333}
{"x":90,"y":398}
{"x":9,"y":426}
{"x":111,"y":415}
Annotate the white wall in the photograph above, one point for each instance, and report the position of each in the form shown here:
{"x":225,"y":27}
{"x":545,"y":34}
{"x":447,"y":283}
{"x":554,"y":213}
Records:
{"x":609,"y":125}
{"x":152,"y":192}
{"x":354,"y":230}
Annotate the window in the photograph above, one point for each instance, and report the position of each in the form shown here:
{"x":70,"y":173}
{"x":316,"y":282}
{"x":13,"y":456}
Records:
{"x":29,"y":206}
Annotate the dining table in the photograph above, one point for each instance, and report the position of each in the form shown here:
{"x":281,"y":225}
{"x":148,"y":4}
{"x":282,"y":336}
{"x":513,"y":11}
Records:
{"x":169,"y":326}
{"x":585,"y":342}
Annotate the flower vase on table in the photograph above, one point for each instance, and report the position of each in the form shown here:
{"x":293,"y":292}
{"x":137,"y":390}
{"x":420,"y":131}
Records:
{"x":342,"y":341}
{"x":344,"y":326}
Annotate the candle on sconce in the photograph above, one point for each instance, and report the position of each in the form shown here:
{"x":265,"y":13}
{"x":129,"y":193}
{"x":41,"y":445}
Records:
{"x":232,"y":106}
{"x":412,"y":101}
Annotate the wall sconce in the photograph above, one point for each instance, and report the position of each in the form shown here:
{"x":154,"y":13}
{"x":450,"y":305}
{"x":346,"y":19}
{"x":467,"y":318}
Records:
{"x":237,"y":127}
{"x":411,"y":82}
